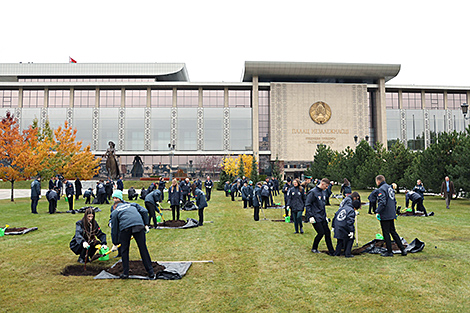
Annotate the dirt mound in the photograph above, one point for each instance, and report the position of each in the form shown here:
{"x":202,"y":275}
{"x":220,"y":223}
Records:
{"x":15,"y":229}
{"x":172,"y":223}
{"x":79,"y":270}
{"x":135,"y":268}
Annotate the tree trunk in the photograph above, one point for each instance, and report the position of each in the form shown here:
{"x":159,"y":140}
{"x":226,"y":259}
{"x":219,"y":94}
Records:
{"x":12,"y":184}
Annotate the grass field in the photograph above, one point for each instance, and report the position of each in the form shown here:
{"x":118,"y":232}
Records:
{"x":258,"y":266}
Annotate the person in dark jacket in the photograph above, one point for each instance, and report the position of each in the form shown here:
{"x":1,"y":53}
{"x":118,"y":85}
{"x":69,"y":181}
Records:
{"x":296,"y":203}
{"x":152,"y":187}
{"x":120,"y":184}
{"x":233,"y":190}
{"x":419,"y":188}
{"x":185,"y":187}
{"x":52,"y":182}
{"x":59,"y":185}
{"x":69,"y":193}
{"x":52,"y":196}
{"x":346,"y":188}
{"x":35,"y":194}
{"x":143,"y":193}
{"x":132,"y":194}
{"x":198,"y":183}
{"x":130,"y":220}
{"x":271,"y":187}
{"x":276,"y":186}
{"x":175,"y":199}
{"x":152,"y":201}
{"x":373,"y":201}
{"x":87,"y":195}
{"x":316,"y":214}
{"x":109,"y":186}
{"x":78,"y":188}
{"x":208,"y":184}
{"x":386,"y":214}
{"x":227,"y":188}
{"x":447,"y":190}
{"x":285,"y":189}
{"x":201,"y":203}
{"x":328,"y":193}
{"x":246,"y":195}
{"x":416,"y":200}
{"x":343,"y":227}
{"x":161,"y":187}
{"x":257,"y":200}
{"x":265,"y":195}
{"x":101,"y":192}
{"x":88,"y":234}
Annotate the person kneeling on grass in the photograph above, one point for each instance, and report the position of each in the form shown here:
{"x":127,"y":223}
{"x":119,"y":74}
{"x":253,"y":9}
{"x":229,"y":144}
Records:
{"x":343,"y":227}
{"x":201,"y":203}
{"x":296,"y":203}
{"x":130,"y":220}
{"x":88,"y":234}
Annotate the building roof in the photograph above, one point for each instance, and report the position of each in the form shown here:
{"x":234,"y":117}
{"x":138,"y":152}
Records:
{"x":319,"y":72}
{"x":161,"y":71}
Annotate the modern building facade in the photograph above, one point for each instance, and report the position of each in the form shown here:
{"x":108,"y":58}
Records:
{"x":280,"y":110}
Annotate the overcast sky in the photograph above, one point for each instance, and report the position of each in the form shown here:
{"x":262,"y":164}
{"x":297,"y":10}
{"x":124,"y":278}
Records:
{"x":214,"y":38}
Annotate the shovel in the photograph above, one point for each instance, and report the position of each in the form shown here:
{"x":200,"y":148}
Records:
{"x":99,"y":255}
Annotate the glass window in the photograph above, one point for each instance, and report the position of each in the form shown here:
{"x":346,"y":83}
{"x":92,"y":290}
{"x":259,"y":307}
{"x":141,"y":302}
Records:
{"x":136,"y":98}
{"x":437,"y":120}
{"x":240,"y":129}
{"x":9,"y":98}
{"x":161,"y":98}
{"x":213,"y":98}
{"x":391,"y":100}
{"x":434,"y":101}
{"x":458,"y":120}
{"x":57,"y":117}
{"x":83,"y":122}
{"x":411,"y":100}
{"x":108,"y":127}
{"x":33,"y":98}
{"x":187,"y":129}
{"x":455,"y":100}
{"x":213,"y":129}
{"x":84,"y":98}
{"x":239,"y":98}
{"x":110,"y":98}
{"x":160,"y":126}
{"x":187,"y":98}
{"x":263,"y":119}
{"x":59,"y":98}
{"x":393,"y":126}
{"x":134,"y":129}
{"x":415,"y":129}
{"x":28,"y":115}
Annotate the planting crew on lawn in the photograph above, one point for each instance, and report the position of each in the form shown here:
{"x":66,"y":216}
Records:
{"x":343,"y":224}
{"x":151,"y":204}
{"x":88,"y":234}
{"x":52,"y":196}
{"x":416,"y":199}
{"x":316,"y":214}
{"x":257,"y":200}
{"x":127,"y":220}
{"x":386,"y":214}
{"x":247,"y":192}
{"x":69,"y":193}
{"x":285,"y":189}
{"x":185,"y":187}
{"x":296,"y":203}
{"x":373,"y":201}
{"x":35,"y":194}
{"x":208,"y":184}
{"x":201,"y":203}
{"x":175,"y":199}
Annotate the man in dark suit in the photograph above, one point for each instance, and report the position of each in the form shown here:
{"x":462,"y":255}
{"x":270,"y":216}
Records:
{"x":447,"y":190}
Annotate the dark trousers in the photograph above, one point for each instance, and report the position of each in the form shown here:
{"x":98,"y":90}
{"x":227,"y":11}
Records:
{"x":233,"y":195}
{"x":448,"y":198}
{"x":297,"y":217}
{"x":139,"y":236}
{"x":226,"y":193}
{"x":322,"y":230}
{"x":264,"y":201}
{"x":186,"y":198}
{"x":70,"y":200}
{"x":388,"y":228}
{"x":245,"y":203}
{"x":134,"y":197}
{"x":208,"y":193}
{"x":162,"y":196}
{"x":256,"y":213}
{"x":271,"y":199}
{"x":34,"y":205}
{"x":175,"y":210}
{"x":52,"y":206}
{"x":372,"y":207}
{"x":419,"y":206}
{"x":345,"y":244}
{"x":201,"y":216}
{"x":88,"y":200}
{"x":152,"y":209}
{"x":327,"y":200}
{"x":102,"y":198}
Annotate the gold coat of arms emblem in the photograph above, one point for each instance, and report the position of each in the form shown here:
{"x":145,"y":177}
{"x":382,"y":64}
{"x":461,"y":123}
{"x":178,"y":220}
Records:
{"x":320,"y":112}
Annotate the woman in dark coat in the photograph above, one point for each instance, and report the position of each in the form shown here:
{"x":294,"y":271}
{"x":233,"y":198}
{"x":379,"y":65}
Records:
{"x":201,"y":203}
{"x":296,"y":203}
{"x":78,"y":188}
{"x":175,"y":198}
{"x":87,"y":235}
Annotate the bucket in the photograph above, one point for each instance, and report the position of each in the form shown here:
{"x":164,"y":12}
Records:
{"x":2,"y":232}
{"x":379,"y":237}
{"x":159,"y":219}
{"x":103,"y":251}
{"x":287,"y":218}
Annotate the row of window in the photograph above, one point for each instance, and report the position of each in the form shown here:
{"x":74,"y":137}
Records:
{"x":432,"y":100}
{"x":132,"y":98}
{"x":86,"y":80}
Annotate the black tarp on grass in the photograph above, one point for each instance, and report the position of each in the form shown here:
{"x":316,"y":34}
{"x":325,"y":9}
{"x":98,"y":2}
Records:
{"x":377,"y":246}
{"x":173,"y":271}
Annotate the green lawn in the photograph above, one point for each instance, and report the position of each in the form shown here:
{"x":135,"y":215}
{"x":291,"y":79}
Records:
{"x":258,"y":266}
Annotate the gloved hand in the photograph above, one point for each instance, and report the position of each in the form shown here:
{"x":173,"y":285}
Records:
{"x":328,"y":220}
{"x":288,"y":208}
{"x":86,"y":245}
{"x":312,"y":220}
{"x":181,"y":201}
{"x":169,"y":201}
{"x":147,"y":229}
{"x":114,"y":248}
{"x":378,"y":216}
{"x":39,"y":196}
{"x":332,"y":229}
{"x":104,"y":247}
{"x":351,"y":235}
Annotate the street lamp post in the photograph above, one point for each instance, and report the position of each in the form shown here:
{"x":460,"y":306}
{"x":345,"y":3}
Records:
{"x":172,"y":151}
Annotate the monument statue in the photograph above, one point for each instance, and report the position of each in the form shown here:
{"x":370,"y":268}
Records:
{"x":137,"y":167}
{"x":111,"y":162}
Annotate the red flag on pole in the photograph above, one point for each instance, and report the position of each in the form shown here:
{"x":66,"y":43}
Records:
{"x":72,"y":60}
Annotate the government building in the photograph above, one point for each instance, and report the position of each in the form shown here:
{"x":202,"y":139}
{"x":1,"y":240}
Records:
{"x":279,"y":111}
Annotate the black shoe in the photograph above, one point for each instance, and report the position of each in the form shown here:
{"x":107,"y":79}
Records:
{"x":404,"y":253}
{"x":152,"y":277}
{"x":315,"y":251}
{"x":123,"y":276}
{"x":301,"y":231}
{"x":349,"y":256}
{"x":81,"y":261}
{"x":386,"y":254}
{"x":296,"y":232}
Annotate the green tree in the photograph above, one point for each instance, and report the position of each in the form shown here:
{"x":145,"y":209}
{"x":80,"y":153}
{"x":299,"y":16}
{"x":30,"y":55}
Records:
{"x":321,"y":159}
{"x":254,"y":171}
